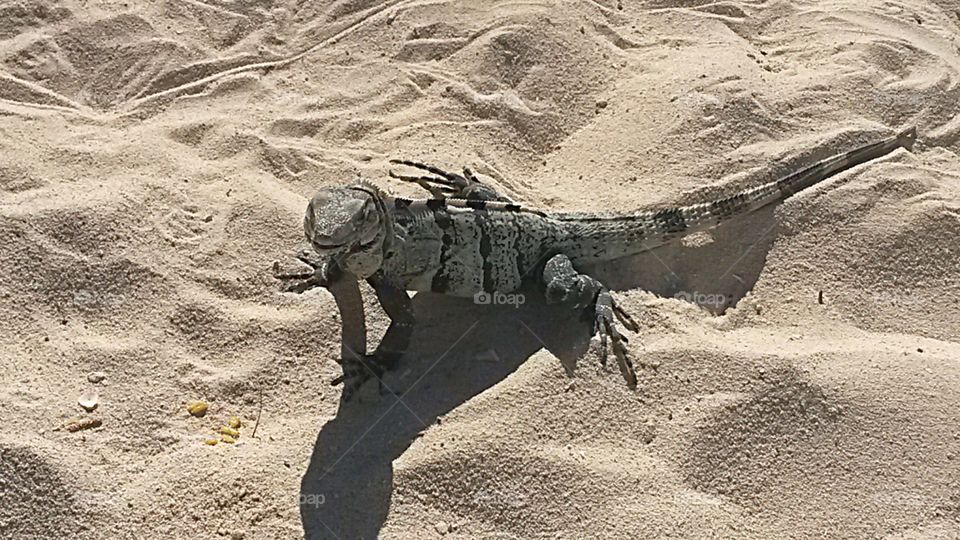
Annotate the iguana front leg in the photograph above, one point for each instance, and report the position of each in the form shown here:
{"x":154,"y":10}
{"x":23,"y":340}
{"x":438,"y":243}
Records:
{"x":320,"y":273}
{"x":396,"y":303}
{"x":565,"y":285}
{"x":346,"y":293}
{"x":447,"y":184}
{"x":353,"y":331}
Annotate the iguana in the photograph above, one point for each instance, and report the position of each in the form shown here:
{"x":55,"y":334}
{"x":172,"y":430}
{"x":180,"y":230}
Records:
{"x":467,"y":239}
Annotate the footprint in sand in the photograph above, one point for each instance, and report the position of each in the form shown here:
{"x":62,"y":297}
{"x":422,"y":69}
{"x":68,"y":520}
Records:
{"x":184,"y":225}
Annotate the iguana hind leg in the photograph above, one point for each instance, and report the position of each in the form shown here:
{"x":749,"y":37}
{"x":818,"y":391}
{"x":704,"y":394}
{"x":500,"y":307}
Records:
{"x":567,"y":286}
{"x":447,"y":184}
{"x":362,"y":367}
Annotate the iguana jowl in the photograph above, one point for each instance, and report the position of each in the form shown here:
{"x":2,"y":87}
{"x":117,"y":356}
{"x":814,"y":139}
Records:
{"x":467,"y":239}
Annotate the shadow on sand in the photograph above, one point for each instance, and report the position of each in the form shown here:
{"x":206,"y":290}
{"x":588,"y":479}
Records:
{"x":346,"y":490}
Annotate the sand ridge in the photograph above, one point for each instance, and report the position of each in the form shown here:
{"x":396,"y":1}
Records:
{"x":155,"y":160}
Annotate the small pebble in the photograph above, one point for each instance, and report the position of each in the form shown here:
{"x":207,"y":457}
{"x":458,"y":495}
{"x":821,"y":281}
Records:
{"x":227,"y":430}
{"x":96,"y":377}
{"x":227,"y":439}
{"x":234,"y":422}
{"x":442,"y":527}
{"x":88,"y":400}
{"x":211,"y":442}
{"x":83,"y":423}
{"x":197,"y":408}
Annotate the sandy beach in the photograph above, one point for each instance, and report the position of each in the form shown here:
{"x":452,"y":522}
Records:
{"x":801,"y":366}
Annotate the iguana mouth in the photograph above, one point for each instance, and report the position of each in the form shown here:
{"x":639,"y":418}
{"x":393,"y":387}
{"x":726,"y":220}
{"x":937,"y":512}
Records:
{"x":332,"y":247}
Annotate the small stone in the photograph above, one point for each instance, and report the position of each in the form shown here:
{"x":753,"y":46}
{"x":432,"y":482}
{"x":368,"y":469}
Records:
{"x":211,"y":442}
{"x":234,"y":422}
{"x":227,"y":430}
{"x":82,"y":423}
{"x":602,"y":104}
{"x":88,"y":400}
{"x":442,"y":527}
{"x":197,"y":408}
{"x":96,"y":376}
{"x":228,"y":439}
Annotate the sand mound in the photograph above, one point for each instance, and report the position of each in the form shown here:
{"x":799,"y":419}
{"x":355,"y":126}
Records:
{"x":39,"y":500}
{"x":802,"y":375}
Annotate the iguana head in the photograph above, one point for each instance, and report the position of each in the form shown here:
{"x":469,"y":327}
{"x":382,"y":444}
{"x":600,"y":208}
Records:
{"x":349,"y":225}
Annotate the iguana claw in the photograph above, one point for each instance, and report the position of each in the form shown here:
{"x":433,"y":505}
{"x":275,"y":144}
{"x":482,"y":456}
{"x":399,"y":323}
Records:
{"x":447,"y":184}
{"x":357,"y":371}
{"x":302,"y":280}
{"x":607,"y":313}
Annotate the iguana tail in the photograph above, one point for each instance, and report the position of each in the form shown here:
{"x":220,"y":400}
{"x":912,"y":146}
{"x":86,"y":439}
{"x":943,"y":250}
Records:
{"x":598,"y":238}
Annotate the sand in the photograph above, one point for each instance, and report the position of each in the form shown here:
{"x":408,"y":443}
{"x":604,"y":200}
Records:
{"x":802,"y":373}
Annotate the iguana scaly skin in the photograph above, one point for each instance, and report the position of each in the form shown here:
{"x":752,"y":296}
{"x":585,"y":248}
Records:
{"x":469,"y":239}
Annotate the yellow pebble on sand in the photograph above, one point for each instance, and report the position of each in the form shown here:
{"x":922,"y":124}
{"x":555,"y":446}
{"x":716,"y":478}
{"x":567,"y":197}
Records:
{"x":227,"y":430}
{"x":197,"y":408}
{"x":227,"y":439}
{"x":211,"y":442}
{"x":234,"y":422}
